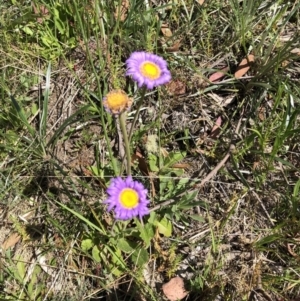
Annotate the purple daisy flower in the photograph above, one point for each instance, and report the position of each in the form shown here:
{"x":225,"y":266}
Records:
{"x":128,"y":198}
{"x":148,"y":69}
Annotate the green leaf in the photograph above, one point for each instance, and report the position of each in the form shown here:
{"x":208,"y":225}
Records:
{"x":147,"y":233}
{"x":187,"y":198}
{"x":34,"y":108}
{"x":43,"y":123}
{"x":81,"y":217}
{"x":21,"y":269}
{"x":152,"y":219}
{"x":188,"y":201}
{"x":87,"y":244}
{"x":284,"y":162}
{"x":36,"y":273}
{"x":116,"y":165}
{"x":140,"y":257}
{"x":96,"y":254}
{"x":47,"y":41}
{"x":164,"y":227}
{"x":31,"y":288}
{"x":116,"y":256}
{"x":296,"y":189}
{"x":173,"y":158}
{"x":152,"y":160}
{"x":197,"y":218}
{"x":58,"y":23}
{"x":267,"y":240}
{"x":95,"y":170}
{"x":27,"y":30}
{"x":22,"y":116}
{"x":115,"y":270}
{"x":192,"y":204}
{"x":178,"y":171}
{"x":117,"y":266}
{"x":238,"y":173}
{"x":124,"y":245}
{"x":67,"y":123}
{"x":295,"y":196}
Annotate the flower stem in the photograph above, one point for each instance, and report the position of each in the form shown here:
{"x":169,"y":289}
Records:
{"x":122,"y":119}
{"x":139,"y":105}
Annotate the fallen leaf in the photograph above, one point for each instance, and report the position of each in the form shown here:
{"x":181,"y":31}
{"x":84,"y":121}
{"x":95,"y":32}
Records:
{"x":256,"y":165}
{"x":166,"y":31}
{"x":164,"y":152}
{"x":215,"y":77}
{"x":262,"y":113}
{"x":244,"y":66}
{"x":181,"y":165}
{"x":11,"y":241}
{"x":121,"y":12}
{"x":200,"y":1}
{"x":291,"y":250}
{"x":42,"y":11}
{"x":296,"y":50}
{"x":176,"y":87}
{"x":174,"y":290}
{"x":216,"y":128}
{"x":175,"y":47}
{"x":143,"y":166}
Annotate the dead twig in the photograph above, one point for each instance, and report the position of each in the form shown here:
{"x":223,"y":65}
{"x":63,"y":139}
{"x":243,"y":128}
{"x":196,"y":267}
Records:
{"x":168,"y":202}
{"x":120,"y":140}
{"x":263,"y":207}
{"x":224,"y":160}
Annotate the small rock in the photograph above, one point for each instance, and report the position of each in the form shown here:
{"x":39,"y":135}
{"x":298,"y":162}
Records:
{"x":174,"y":290}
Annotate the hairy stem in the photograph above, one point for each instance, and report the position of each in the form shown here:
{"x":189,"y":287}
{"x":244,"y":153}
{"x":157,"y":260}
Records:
{"x":139,"y":105}
{"x":122,"y":118}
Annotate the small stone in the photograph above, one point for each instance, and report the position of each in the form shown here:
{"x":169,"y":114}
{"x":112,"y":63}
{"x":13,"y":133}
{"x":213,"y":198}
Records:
{"x":174,"y":290}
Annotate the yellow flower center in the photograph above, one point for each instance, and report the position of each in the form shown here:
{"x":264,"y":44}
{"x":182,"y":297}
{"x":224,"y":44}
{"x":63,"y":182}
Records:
{"x":116,"y":100}
{"x":129,"y":198}
{"x":150,"y":70}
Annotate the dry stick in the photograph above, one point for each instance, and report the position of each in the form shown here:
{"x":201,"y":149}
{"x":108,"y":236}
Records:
{"x":168,"y":202}
{"x":223,"y":58}
{"x":223,"y":161}
{"x":261,"y":290}
{"x":263,"y":207}
{"x":264,"y":293}
{"x":122,"y":120}
{"x":120,"y":139}
{"x":216,"y":169}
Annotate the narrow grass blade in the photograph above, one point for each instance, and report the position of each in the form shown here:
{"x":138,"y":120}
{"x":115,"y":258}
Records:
{"x":22,"y":116}
{"x":43,"y":125}
{"x":67,"y":122}
{"x":86,"y":221}
{"x":240,"y":175}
